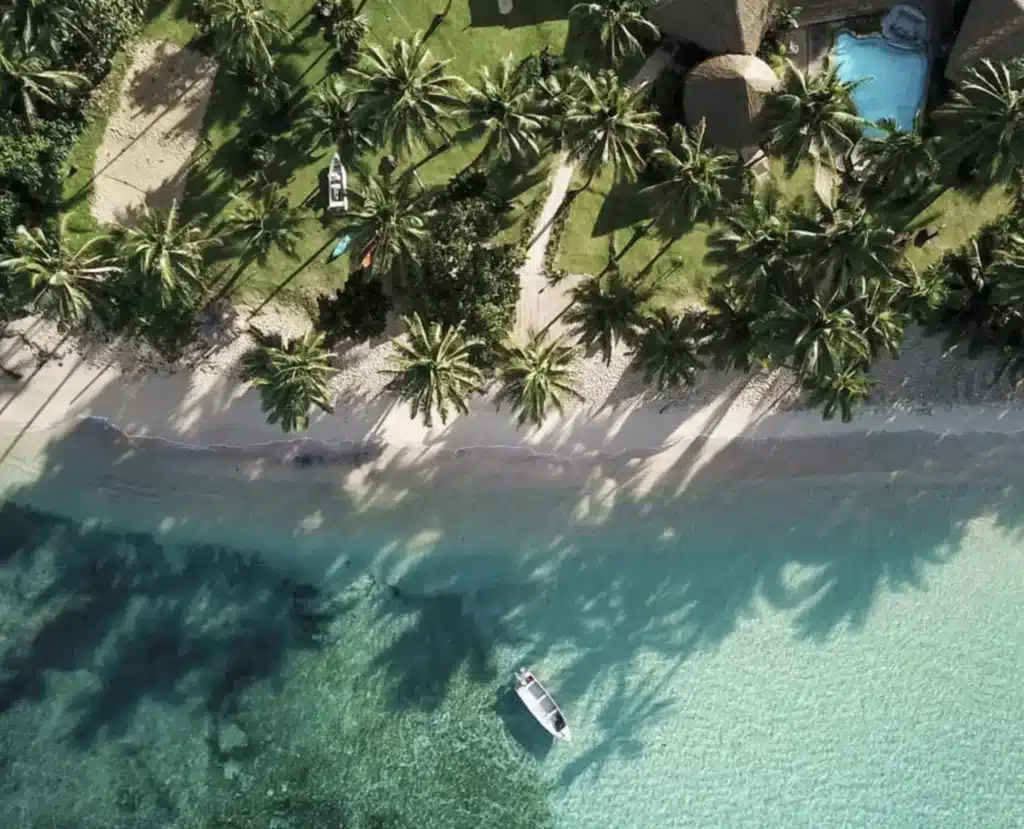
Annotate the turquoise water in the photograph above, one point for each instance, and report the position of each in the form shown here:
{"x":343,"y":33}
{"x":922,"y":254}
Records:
{"x":842,"y":651}
{"x":893,"y":80}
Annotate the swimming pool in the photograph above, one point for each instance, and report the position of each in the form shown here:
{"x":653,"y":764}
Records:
{"x":894,"y":78}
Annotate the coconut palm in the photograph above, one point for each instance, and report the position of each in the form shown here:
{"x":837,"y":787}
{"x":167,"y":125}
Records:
{"x":665,"y":350}
{"x":403,"y":95}
{"x":292,"y":377}
{"x":812,"y":115}
{"x":841,"y":390}
{"x":27,"y":79}
{"x":606,"y":125}
{"x":984,"y":123}
{"x":606,"y":309}
{"x":331,"y":119}
{"x":433,"y":370}
{"x":388,"y":224}
{"x":56,"y":280}
{"x":902,"y":163}
{"x":265,"y":221}
{"x":972,"y":311}
{"x":505,"y":111}
{"x":695,"y":174}
{"x":246,"y":33}
{"x":25,"y":18}
{"x":536,"y":377}
{"x":617,"y":24}
{"x":729,"y":332}
{"x":165,"y":253}
{"x":845,"y":247}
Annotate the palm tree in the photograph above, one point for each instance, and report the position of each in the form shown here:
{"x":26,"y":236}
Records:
{"x":984,"y":123}
{"x":606,"y":125}
{"x":617,"y":23}
{"x":434,"y":370}
{"x":246,"y":33}
{"x":403,"y":95}
{"x":973,"y":310}
{"x":332,"y":119}
{"x":388,"y":224}
{"x":26,"y":78}
{"x":504,"y":110}
{"x":606,"y":309}
{"x":165,"y":253}
{"x":845,"y":247}
{"x":845,"y":387}
{"x":812,"y":115}
{"x":695,"y":174}
{"x":265,"y":221}
{"x":729,"y":329}
{"x":898,"y":162}
{"x":292,"y":376}
{"x":57,"y":281}
{"x":535,"y":377}
{"x":665,"y":350}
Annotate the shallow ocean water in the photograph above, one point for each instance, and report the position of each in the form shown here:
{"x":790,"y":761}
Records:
{"x":841,"y":651}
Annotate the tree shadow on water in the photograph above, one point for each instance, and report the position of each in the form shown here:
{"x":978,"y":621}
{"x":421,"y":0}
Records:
{"x":191,"y":626}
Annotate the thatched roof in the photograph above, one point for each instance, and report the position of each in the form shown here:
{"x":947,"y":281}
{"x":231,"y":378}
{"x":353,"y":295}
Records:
{"x":719,"y":26}
{"x":728,"y":92}
{"x":992,"y":29}
{"x":824,"y":11}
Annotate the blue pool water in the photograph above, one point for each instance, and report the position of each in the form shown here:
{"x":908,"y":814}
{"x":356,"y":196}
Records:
{"x":894,"y":79}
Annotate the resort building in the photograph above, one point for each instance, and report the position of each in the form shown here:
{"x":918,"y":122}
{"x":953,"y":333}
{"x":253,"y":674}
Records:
{"x":728,"y":92}
{"x":717,"y":26}
{"x":992,"y":29}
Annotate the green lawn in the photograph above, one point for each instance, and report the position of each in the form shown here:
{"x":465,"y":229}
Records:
{"x":472,"y":36}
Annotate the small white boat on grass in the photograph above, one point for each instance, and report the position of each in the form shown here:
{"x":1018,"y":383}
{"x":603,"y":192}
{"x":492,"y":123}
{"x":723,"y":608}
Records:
{"x":337,"y":185}
{"x":541,"y":704}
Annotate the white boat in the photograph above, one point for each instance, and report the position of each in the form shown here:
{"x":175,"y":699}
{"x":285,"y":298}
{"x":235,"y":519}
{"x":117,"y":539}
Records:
{"x":337,"y":185}
{"x":541,"y":704}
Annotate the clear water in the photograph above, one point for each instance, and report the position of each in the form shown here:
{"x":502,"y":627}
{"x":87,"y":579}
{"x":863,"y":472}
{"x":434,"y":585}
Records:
{"x":843,"y":651}
{"x":893,"y":80}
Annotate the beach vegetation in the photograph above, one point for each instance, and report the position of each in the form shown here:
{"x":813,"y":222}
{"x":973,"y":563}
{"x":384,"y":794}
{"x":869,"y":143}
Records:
{"x":619,"y":25}
{"x":29,"y":80}
{"x":608,"y":309}
{"x":434,"y":371}
{"x":357,"y":313}
{"x":245,"y":34}
{"x":54,"y":278}
{"x":293,"y":376}
{"x":536,"y":377}
{"x":666,"y":349}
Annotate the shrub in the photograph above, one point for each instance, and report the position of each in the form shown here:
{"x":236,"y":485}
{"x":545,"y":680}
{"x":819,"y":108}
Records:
{"x":342,"y":27}
{"x":89,"y":32}
{"x":359,"y":311}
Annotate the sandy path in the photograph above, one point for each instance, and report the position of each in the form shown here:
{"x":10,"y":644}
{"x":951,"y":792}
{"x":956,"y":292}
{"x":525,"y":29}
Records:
{"x":154,"y":132}
{"x":539,"y":302}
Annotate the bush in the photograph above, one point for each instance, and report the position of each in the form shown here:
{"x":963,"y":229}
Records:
{"x":465,"y":276}
{"x":359,"y":311}
{"x":89,"y":32}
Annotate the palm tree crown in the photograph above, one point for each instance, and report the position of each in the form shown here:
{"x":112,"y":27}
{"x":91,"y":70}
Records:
{"x":434,"y":371}
{"x":812,"y":115}
{"x":695,"y":174}
{"x":292,"y":376}
{"x":403,"y":95}
{"x":665,"y":350}
{"x":897,"y":161}
{"x":57,"y":281}
{"x":984,"y":122}
{"x":246,"y":33}
{"x":332,"y":119}
{"x":505,"y":110}
{"x":26,"y":78}
{"x":266,"y":221}
{"x":166,"y":253}
{"x":606,"y":124}
{"x":535,"y":378}
{"x":606,"y":309}
{"x":617,"y":23}
{"x":388,"y":223}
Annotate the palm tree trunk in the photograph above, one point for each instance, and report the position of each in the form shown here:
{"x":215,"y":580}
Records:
{"x":570,"y":197}
{"x":447,"y":145}
{"x":231,"y":283}
{"x":661,"y":252}
{"x":638,"y":234}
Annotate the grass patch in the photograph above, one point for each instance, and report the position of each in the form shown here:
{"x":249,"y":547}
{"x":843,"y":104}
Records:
{"x":958,"y":216}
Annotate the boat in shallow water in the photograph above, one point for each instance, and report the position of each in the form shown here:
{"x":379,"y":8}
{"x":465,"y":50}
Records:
{"x":541,"y":704}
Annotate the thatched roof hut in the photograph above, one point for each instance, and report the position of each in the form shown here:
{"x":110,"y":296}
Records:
{"x":728,"y":92}
{"x":718,"y":26}
{"x":992,"y":29}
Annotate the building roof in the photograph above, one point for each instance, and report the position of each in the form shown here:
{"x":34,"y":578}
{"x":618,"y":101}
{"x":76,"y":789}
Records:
{"x":728,"y":92}
{"x":825,"y":11}
{"x":992,"y":29}
{"x":719,"y":26}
